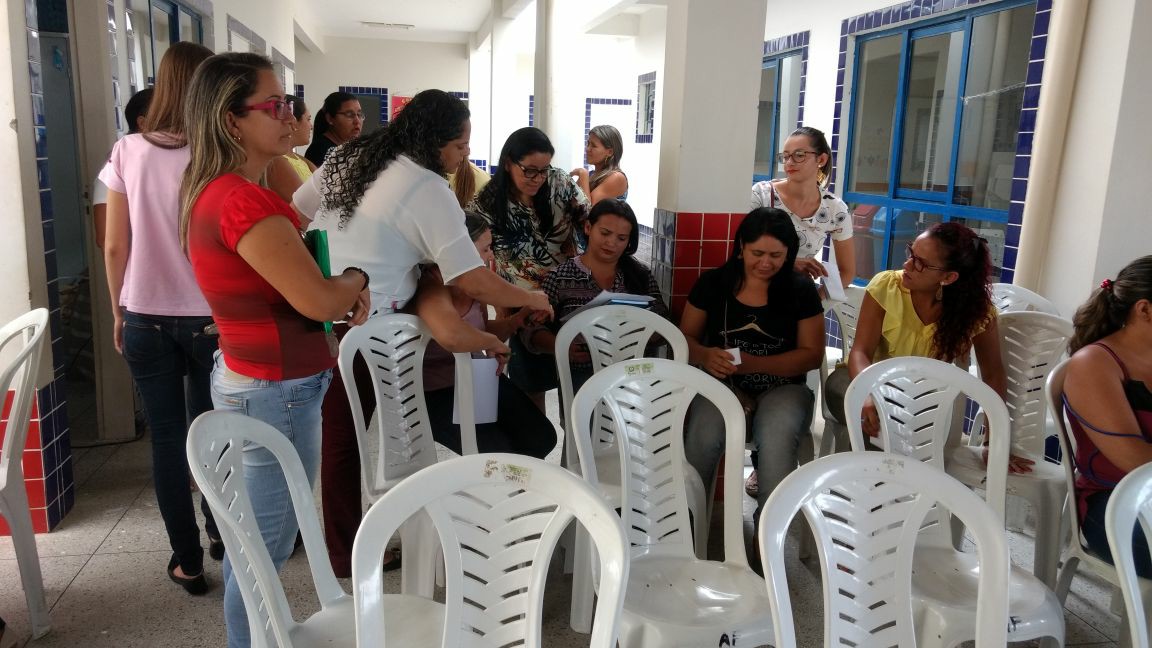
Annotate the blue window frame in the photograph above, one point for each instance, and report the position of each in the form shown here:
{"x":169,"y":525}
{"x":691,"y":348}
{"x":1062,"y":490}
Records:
{"x":779,"y":109}
{"x":935,"y":111}
{"x":172,"y":22}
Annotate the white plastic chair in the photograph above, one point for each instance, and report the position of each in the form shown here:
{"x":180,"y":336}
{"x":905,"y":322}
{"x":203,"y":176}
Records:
{"x":1031,"y":345}
{"x":919,"y":400}
{"x":215,"y":456}
{"x":393,"y":347}
{"x":1131,"y":501}
{"x":499,"y":517}
{"x":846,"y":313}
{"x":19,"y":377}
{"x":674,"y":598}
{"x":1077,"y":553}
{"x":1010,"y":298}
{"x":613,"y":334}
{"x":866,"y":510}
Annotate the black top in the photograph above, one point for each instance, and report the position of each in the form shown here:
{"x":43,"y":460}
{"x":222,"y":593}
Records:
{"x":756,"y":330}
{"x":318,"y":149}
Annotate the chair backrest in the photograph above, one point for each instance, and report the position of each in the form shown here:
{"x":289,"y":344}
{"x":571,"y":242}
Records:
{"x":216,"y":442}
{"x":1054,"y":392}
{"x":26,"y":334}
{"x":866,"y":510}
{"x":647,"y":399}
{"x":920,"y":402}
{"x":1031,"y":344}
{"x":613,"y":333}
{"x":847,"y":312}
{"x":393,"y":347}
{"x":1130,"y":502}
{"x":499,"y":517}
{"x":1010,"y":298}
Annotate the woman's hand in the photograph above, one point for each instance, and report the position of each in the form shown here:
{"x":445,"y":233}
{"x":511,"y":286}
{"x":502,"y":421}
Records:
{"x":812,"y":267}
{"x":360,"y":310}
{"x":870,"y":419}
{"x":497,"y":349}
{"x":1017,"y":465}
{"x":718,"y":363}
{"x":538,"y":302}
{"x":118,"y":330}
{"x":580,"y":173}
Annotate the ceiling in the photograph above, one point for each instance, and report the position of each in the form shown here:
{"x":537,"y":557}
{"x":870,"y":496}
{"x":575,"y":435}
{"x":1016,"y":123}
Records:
{"x":451,"y":21}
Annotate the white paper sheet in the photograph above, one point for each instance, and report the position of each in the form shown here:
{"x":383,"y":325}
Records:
{"x":485,"y":391}
{"x":832,"y":284}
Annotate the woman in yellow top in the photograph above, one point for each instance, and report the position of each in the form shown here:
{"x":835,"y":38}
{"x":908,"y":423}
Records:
{"x":939,"y":306}
{"x":288,"y":172}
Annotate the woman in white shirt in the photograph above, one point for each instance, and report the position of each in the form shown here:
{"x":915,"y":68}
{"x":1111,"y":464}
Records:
{"x":387,"y":208}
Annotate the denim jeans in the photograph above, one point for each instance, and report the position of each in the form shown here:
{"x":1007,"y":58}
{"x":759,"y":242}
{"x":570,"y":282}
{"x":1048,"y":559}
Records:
{"x":783,"y":415}
{"x":1092,"y":526}
{"x":293,"y":408}
{"x":170,"y":359}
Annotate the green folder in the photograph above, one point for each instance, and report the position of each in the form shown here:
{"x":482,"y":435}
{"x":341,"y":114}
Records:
{"x":317,"y":243}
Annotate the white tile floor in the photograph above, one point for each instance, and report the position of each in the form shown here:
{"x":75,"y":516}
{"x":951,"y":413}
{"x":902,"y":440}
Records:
{"x":104,"y":571}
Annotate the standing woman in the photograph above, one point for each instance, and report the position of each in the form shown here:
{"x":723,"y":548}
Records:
{"x":163,"y":326}
{"x":760,"y":305}
{"x":815,"y":212}
{"x":533,"y":210}
{"x":340,"y":119}
{"x":1108,"y":400}
{"x":603,"y":151}
{"x":387,"y":208}
{"x":289,"y":171}
{"x":266,"y":292}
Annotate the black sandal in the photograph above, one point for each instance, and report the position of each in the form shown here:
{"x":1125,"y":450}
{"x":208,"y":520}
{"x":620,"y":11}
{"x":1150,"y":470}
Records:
{"x":215,"y":547}
{"x":195,"y":585}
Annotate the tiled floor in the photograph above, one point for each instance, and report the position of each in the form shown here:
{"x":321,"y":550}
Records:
{"x":104,"y":571}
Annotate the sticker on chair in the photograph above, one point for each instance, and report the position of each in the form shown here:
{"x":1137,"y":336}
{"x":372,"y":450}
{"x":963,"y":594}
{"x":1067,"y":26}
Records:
{"x":510,"y":472}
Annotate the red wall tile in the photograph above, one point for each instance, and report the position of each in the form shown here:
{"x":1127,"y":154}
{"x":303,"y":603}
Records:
{"x":734,"y":223}
{"x":715,"y":227}
{"x":33,"y":464}
{"x":686,"y":254}
{"x":713,"y":254}
{"x":40,"y":520}
{"x":678,"y":302}
{"x":688,"y":226}
{"x":683,"y":279}
{"x":36,"y":494}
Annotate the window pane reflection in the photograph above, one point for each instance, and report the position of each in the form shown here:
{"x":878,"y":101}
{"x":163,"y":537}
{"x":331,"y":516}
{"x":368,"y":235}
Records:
{"x":875,"y":112}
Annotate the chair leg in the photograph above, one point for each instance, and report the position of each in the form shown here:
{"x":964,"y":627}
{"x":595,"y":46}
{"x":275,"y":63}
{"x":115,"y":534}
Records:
{"x":1064,"y":581}
{"x":698,"y":506}
{"x":421,"y":547}
{"x":583,"y":596}
{"x":15,"y":509}
{"x":1048,"y":537}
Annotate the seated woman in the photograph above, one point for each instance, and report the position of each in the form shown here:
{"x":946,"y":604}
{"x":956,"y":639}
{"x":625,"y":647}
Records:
{"x":1107,"y":398}
{"x":461,"y":324}
{"x":939,"y":306}
{"x":607,"y":264}
{"x":769,"y":316}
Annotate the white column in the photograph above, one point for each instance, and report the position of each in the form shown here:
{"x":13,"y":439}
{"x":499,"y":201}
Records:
{"x":480,"y":98}
{"x":508,"y":109}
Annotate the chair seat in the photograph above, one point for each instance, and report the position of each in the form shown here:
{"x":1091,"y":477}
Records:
{"x":967,"y":464}
{"x":945,"y":580}
{"x":412,"y":621}
{"x":698,"y":595}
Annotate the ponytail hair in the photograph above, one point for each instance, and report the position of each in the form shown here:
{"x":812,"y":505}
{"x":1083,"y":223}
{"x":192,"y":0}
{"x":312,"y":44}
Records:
{"x":1107,"y":310}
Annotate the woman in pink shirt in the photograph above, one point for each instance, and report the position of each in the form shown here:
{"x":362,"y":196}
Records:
{"x":163,"y":325}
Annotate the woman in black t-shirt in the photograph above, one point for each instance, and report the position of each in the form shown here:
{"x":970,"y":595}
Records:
{"x":758,"y":325}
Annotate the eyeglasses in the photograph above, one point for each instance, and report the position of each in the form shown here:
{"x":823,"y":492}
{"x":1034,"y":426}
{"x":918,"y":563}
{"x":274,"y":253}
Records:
{"x":919,"y":264}
{"x":795,"y":156}
{"x":531,"y":173}
{"x":278,"y":109}
{"x":352,"y":114}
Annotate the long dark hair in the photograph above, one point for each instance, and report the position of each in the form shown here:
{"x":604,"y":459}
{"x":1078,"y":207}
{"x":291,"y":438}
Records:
{"x":762,"y":221}
{"x":1107,"y":309}
{"x":493,"y":199}
{"x":431,"y":120}
{"x":967,"y":302}
{"x":635,"y":273}
{"x":331,"y":106}
{"x":819,"y":144}
{"x":298,"y":106}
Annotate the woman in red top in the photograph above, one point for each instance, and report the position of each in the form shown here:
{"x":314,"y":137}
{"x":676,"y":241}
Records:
{"x":266,"y":292}
{"x":1107,"y":398}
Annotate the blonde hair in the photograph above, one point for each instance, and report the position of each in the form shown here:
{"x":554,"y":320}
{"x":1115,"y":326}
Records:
{"x":610,"y":138}
{"x":221,"y":85}
{"x":166,"y":113}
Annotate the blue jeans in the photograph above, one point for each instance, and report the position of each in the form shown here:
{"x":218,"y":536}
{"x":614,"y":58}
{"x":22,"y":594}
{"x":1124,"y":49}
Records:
{"x":1092,"y":526}
{"x":783,"y":415}
{"x":293,"y":408}
{"x":170,"y":359}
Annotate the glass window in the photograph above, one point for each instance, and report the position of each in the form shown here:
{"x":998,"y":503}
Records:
{"x":937,"y":109}
{"x":646,"y":106}
{"x":778,"y":113}
{"x":879,"y":72}
{"x":161,"y":35}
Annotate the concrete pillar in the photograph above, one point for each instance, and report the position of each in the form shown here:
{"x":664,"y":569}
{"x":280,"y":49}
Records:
{"x":708,"y":125}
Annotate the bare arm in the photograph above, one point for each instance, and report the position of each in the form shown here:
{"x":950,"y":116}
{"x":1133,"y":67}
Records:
{"x":117,"y":241}
{"x":869,"y":326}
{"x":612,"y":186}
{"x":797,"y":362}
{"x":433,"y":305}
{"x":1095,"y":390}
{"x":714,"y":360}
{"x":275,"y":251}
{"x":845,"y":260}
{"x":100,"y":223}
{"x":581,"y":175}
{"x":487,"y":287}
{"x":988,"y":358}
{"x":282,"y":178}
